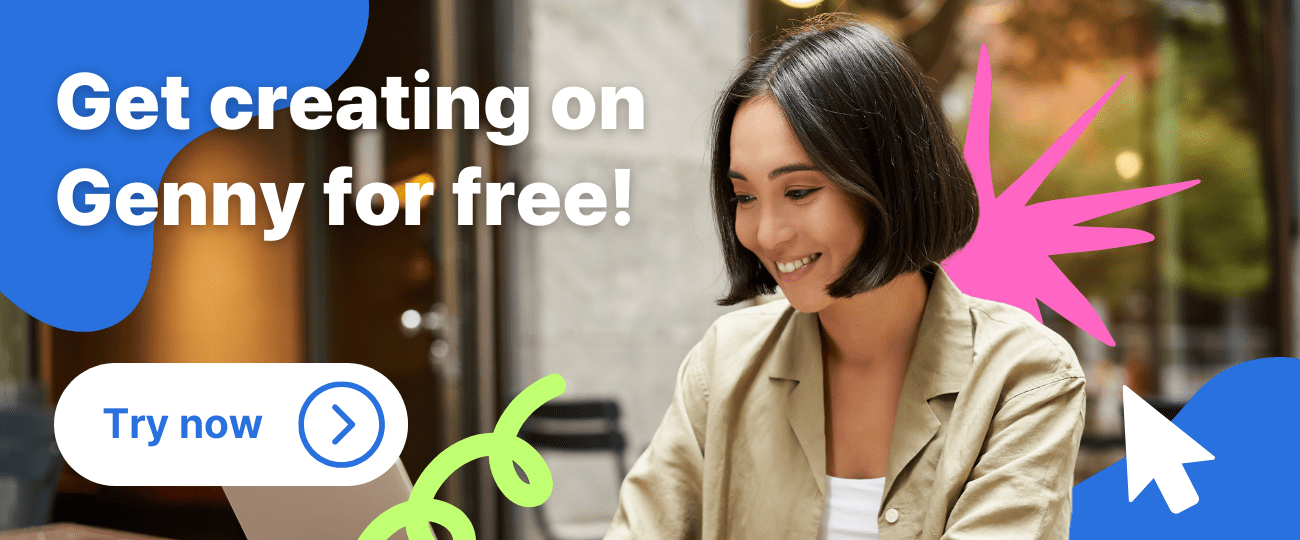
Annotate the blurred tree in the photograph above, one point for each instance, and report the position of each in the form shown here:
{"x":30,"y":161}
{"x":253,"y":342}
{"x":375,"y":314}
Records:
{"x":927,"y":27}
{"x":1050,"y":35}
{"x":1225,"y":251}
{"x":1225,"y":238}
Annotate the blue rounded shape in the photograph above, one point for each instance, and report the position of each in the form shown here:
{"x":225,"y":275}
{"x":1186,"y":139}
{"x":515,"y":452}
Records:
{"x":1244,"y":416}
{"x":302,"y":431}
{"x":87,"y":278}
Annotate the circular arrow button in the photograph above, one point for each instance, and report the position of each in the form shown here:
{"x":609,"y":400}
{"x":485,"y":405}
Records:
{"x":341,"y":424}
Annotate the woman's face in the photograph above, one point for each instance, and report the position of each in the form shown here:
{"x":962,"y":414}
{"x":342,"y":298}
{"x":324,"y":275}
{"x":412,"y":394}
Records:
{"x":788,"y":213}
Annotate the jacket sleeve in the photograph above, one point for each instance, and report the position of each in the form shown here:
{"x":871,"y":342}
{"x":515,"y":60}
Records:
{"x":661,"y":496}
{"x":1020,"y":486}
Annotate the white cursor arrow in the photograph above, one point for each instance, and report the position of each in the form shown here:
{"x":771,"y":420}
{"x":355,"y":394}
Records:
{"x":1157,"y":450}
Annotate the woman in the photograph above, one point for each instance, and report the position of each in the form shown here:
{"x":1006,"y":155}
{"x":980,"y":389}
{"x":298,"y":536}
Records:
{"x":877,"y":399}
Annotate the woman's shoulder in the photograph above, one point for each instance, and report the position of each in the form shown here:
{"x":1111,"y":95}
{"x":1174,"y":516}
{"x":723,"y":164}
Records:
{"x":747,"y":322}
{"x":1010,"y":343}
{"x":739,"y":339}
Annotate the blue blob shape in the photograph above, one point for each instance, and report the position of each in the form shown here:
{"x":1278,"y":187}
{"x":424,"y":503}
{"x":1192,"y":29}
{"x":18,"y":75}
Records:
{"x":1246,"y":418}
{"x":88,"y":278}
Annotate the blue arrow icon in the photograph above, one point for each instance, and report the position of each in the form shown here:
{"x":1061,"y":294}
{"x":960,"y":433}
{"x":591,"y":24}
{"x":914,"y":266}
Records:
{"x":346,"y":428}
{"x":302,"y":424}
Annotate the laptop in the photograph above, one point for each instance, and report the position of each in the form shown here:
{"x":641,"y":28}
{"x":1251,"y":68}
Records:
{"x":316,"y":512}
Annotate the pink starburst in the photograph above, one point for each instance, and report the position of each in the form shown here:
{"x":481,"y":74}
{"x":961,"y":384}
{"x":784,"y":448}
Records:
{"x":1008,"y":260}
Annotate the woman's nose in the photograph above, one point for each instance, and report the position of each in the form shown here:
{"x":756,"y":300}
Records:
{"x":774,"y":229}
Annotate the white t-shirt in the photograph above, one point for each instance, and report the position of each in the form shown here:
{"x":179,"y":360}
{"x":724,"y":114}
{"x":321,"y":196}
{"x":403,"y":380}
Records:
{"x":851,"y":509}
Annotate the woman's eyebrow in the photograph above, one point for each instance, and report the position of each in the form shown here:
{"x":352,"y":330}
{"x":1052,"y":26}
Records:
{"x":797,"y":167}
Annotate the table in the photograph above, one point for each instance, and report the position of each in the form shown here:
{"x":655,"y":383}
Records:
{"x":72,"y":531}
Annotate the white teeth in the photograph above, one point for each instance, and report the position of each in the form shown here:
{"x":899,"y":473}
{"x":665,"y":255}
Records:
{"x":788,"y":267}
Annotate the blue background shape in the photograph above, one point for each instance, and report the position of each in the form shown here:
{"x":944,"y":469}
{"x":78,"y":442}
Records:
{"x":89,"y":278}
{"x":1247,"y":418}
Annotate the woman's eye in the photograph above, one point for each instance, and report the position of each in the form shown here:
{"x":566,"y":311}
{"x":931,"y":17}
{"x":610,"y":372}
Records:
{"x":741,"y":199}
{"x":797,"y":194}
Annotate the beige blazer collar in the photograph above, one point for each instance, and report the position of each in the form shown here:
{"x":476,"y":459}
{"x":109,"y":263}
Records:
{"x":940,"y":364}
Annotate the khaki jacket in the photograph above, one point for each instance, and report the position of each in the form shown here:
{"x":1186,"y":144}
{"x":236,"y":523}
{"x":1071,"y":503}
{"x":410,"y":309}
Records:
{"x":984,"y":442}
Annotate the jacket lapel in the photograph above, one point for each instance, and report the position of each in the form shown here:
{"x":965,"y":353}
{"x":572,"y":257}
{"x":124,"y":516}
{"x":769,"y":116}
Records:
{"x":798,"y":363}
{"x":940,"y":364}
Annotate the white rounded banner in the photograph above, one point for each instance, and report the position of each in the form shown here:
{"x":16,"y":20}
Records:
{"x":230,"y":424}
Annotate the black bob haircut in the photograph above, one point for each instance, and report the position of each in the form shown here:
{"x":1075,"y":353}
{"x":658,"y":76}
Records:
{"x":861,"y":110}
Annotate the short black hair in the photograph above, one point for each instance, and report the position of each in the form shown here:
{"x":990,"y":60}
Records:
{"x":861,"y":110}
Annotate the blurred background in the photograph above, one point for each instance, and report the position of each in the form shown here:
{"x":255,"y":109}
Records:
{"x":461,"y":318}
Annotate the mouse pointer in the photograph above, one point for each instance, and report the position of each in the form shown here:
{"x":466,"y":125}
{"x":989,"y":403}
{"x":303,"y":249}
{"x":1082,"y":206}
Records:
{"x":1157,"y":450}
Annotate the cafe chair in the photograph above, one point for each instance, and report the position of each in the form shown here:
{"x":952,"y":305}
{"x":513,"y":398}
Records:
{"x":588,"y":427}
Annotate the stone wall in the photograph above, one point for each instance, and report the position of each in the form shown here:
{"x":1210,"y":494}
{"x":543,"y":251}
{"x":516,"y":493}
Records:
{"x":615,"y":309}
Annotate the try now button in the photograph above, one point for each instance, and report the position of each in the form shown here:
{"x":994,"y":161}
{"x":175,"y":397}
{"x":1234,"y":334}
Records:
{"x":231,"y":424}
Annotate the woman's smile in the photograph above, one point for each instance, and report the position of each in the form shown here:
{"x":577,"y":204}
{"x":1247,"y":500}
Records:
{"x":790,"y":272}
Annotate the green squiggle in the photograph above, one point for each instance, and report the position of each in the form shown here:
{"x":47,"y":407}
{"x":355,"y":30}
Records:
{"x":502,"y":447}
